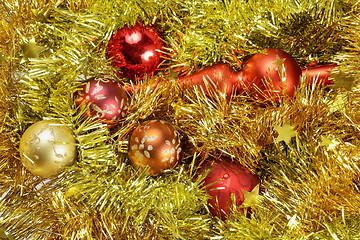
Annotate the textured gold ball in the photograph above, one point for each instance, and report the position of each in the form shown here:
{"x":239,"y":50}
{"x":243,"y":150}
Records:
{"x":155,"y":143}
{"x":46,"y":147}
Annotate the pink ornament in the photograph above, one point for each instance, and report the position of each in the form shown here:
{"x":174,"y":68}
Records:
{"x":108,"y":99}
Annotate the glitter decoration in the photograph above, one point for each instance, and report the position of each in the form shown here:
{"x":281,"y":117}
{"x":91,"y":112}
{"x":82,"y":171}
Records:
{"x":135,"y":50}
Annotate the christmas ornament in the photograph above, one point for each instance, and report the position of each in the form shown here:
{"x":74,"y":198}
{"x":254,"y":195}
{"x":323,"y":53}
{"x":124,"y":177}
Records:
{"x":135,"y":50}
{"x":267,"y":75}
{"x":319,"y":74}
{"x":257,"y":70}
{"x":225,"y":179}
{"x":155,"y":143}
{"x":46,"y":147}
{"x":330,"y":144}
{"x":343,"y":80}
{"x":108,"y":99}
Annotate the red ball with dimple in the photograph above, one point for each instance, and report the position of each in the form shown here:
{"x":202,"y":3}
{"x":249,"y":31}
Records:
{"x":227,"y":178}
{"x":135,"y":50}
{"x":108,"y":99}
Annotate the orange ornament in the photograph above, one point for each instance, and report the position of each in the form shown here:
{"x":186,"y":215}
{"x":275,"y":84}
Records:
{"x":156,"y":144}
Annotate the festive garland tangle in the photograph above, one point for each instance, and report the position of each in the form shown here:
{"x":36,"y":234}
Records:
{"x":306,"y":151}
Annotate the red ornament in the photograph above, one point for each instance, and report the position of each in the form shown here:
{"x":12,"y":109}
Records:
{"x":319,"y":74}
{"x":227,"y":178}
{"x":274,"y":65}
{"x":155,"y":143}
{"x":135,"y":50}
{"x":259,"y":69}
{"x":108,"y":99}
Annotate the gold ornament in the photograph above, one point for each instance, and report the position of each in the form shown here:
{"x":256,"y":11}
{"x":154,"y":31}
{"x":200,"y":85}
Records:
{"x":46,"y":147}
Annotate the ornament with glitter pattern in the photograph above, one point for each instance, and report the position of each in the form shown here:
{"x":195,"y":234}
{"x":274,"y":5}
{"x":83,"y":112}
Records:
{"x":108,"y":99}
{"x":155,"y":143}
{"x":46,"y":147}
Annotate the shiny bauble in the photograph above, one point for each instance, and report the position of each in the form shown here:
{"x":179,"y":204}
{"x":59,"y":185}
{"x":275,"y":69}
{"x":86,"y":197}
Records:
{"x":267,"y":75}
{"x":135,"y":50}
{"x":272,"y":73}
{"x":156,"y":144}
{"x":46,"y":147}
{"x":227,"y":178}
{"x":104,"y":99}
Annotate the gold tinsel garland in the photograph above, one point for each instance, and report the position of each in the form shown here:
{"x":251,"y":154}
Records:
{"x":310,"y":177}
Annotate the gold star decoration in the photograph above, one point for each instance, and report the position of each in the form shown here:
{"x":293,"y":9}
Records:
{"x":338,"y":104}
{"x":172,"y":76}
{"x":285,"y":132}
{"x":31,"y":49}
{"x":279,"y":62}
{"x":3,"y":235}
{"x":2,"y":59}
{"x":251,"y":198}
{"x":329,"y":143}
{"x":293,"y":223}
{"x":342,"y":80}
